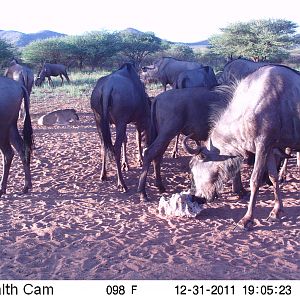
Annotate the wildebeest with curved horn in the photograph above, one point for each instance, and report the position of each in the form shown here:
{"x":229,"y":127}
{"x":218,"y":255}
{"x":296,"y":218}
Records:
{"x":167,"y":69}
{"x":119,"y":98}
{"x":11,"y":95}
{"x":177,"y":111}
{"x":262,"y":118}
{"x":49,"y":70}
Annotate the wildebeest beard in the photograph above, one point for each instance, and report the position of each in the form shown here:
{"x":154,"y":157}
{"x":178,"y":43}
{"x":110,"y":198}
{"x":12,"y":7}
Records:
{"x":227,"y":169}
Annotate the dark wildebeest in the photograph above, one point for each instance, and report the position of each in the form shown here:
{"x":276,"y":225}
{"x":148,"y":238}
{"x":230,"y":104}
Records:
{"x":204,"y":76}
{"x":238,"y":69}
{"x":120,"y":98}
{"x":11,"y":95}
{"x":262,"y":118}
{"x":20,"y":73}
{"x":49,"y":70}
{"x":177,"y":111}
{"x":167,"y":69}
{"x":201,"y":77}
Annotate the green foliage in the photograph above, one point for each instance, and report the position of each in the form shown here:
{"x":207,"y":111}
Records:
{"x":7,"y":52}
{"x":181,"y":51}
{"x":136,"y":46}
{"x":257,"y":39}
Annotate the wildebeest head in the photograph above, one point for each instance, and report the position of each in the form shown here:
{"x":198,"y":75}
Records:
{"x":209,"y":170}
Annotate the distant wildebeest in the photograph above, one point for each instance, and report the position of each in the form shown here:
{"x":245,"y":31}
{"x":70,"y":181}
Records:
{"x":204,"y":76}
{"x":262,"y":118}
{"x":120,"y":98}
{"x":59,"y":117}
{"x":49,"y":70}
{"x":11,"y":95}
{"x":175,"y":111}
{"x":167,"y":69}
{"x":238,"y":69}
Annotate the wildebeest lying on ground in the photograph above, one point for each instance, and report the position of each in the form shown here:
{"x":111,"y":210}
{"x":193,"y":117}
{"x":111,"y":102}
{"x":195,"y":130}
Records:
{"x":120,"y":98}
{"x":11,"y":95}
{"x":49,"y":70}
{"x":203,"y":76}
{"x":263,"y":118}
{"x":186,"y":111}
{"x":59,"y":117}
{"x":167,"y":69}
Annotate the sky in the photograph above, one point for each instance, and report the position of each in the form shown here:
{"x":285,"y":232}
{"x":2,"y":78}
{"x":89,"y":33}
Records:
{"x":173,"y":20}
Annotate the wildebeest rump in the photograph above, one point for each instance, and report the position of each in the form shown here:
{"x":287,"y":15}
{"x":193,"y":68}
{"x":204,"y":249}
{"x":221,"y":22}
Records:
{"x":119,"y":98}
{"x":20,"y":73}
{"x":11,"y":95}
{"x":167,"y":69}
{"x":177,"y":111}
{"x":204,"y":76}
{"x":262,"y":118}
{"x":49,"y":70}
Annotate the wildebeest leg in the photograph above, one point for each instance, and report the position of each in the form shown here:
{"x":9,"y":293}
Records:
{"x":175,"y":149}
{"x":258,"y":170}
{"x":138,"y":138}
{"x":67,"y":77}
{"x":158,"y":179}
{"x":62,"y":80}
{"x":120,"y":137}
{"x":125,"y":166}
{"x":7,"y":156}
{"x":18,"y":144}
{"x":50,"y":82}
{"x":273,"y":175}
{"x":237,"y":185}
{"x":283,"y":170}
{"x":155,"y":150}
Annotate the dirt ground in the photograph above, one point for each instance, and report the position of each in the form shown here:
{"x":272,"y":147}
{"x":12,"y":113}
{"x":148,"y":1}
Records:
{"x":72,"y":226}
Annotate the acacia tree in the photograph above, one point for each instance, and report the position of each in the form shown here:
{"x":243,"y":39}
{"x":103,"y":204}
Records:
{"x":136,"y":46}
{"x":257,"y":39}
{"x":6,"y":52}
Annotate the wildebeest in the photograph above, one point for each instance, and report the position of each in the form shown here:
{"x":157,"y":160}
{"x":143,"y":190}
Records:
{"x":238,"y":69}
{"x":20,"y":73}
{"x":177,"y":111}
{"x":59,"y":117}
{"x":204,"y":76}
{"x":120,"y":98}
{"x":11,"y":95}
{"x":49,"y":70}
{"x":167,"y":69}
{"x":263,"y":118}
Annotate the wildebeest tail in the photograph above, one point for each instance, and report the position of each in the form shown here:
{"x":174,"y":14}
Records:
{"x":27,"y":127}
{"x":100,"y":103}
{"x":153,"y":132}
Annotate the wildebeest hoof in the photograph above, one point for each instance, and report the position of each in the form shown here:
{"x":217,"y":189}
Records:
{"x":122,"y":188}
{"x":244,"y":225}
{"x":275,"y":216}
{"x":125,"y":167}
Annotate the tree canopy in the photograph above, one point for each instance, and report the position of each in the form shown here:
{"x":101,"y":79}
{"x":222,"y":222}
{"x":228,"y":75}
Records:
{"x":257,"y":39}
{"x":7,"y":52}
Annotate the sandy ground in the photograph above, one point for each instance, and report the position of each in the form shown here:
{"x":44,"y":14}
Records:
{"x":72,"y":226}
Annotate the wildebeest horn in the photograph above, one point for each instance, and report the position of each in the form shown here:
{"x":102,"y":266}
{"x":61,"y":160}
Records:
{"x":210,"y":145}
{"x":188,"y":149}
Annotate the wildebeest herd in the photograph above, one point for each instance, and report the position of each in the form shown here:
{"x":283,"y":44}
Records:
{"x":251,"y":113}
